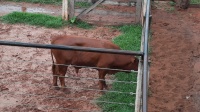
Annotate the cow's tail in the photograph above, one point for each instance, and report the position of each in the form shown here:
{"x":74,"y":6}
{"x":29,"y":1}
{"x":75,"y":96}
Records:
{"x":53,"y":65}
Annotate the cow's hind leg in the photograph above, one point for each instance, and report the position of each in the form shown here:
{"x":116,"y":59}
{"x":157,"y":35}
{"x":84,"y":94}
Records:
{"x":55,"y":78}
{"x":102,"y":82}
{"x":62,"y":72}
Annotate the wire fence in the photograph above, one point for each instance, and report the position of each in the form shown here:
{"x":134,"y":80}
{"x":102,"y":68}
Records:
{"x":81,"y":90}
{"x":15,"y":80}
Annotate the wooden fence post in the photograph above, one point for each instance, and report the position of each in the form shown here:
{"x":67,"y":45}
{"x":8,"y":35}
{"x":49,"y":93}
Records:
{"x":71,"y":9}
{"x":90,"y":8}
{"x":138,"y":11}
{"x":65,"y":9}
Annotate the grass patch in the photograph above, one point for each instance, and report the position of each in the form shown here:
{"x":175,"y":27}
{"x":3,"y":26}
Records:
{"x":78,"y":23}
{"x":171,"y":3}
{"x":56,"y":2}
{"x":129,"y":40}
{"x":42,"y":20}
{"x":82,"y":4}
{"x":33,"y":19}
{"x":195,"y":1}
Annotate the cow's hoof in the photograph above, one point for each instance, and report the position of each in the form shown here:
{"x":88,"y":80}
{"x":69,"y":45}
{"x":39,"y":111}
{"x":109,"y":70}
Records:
{"x":102,"y":92}
{"x":57,"y":88}
{"x":66,"y":91}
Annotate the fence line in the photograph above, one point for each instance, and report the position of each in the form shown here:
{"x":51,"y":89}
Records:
{"x":145,"y":62}
{"x":144,"y":54}
{"x":78,"y":49}
{"x":107,"y":80}
{"x":75,"y":48}
{"x":32,"y":106}
{"x":100,"y":68}
{"x":97,"y":68}
{"x":74,"y":99}
{"x":81,"y":88}
{"x":88,"y":89}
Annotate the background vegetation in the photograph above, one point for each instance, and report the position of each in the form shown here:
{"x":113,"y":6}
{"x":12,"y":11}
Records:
{"x":41,"y":20}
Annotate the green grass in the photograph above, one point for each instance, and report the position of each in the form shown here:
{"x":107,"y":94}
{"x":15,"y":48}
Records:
{"x":56,"y":2}
{"x":41,"y":20}
{"x":195,"y":1}
{"x":83,"y":4}
{"x":33,"y":19}
{"x":129,"y":40}
{"x":172,"y":3}
{"x":80,"y":24}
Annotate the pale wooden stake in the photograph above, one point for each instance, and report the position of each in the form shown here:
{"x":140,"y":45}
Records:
{"x":65,"y":9}
{"x":138,"y":99}
{"x":71,"y":9}
{"x":138,"y":11}
{"x":90,"y":8}
{"x":144,"y":9}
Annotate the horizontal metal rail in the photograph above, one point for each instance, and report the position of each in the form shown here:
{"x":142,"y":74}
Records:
{"x":64,"y":98}
{"x":110,"y":91}
{"x":100,"y":68}
{"x":87,"y":89}
{"x":70,"y":77}
{"x":45,"y":107}
{"x":107,"y":80}
{"x":75,"y":48}
{"x":78,"y":88}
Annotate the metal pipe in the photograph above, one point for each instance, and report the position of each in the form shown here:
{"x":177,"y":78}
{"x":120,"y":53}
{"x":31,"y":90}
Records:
{"x":65,"y":98}
{"x":62,"y":47}
{"x":46,"y":63}
{"x":69,"y":77}
{"x":145,"y":62}
{"x":98,"y":68}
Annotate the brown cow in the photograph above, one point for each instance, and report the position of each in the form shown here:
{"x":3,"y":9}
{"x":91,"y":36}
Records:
{"x":92,"y":59}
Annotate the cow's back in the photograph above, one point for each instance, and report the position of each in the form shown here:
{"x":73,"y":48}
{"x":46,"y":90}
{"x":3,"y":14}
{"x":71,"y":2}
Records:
{"x":83,"y":42}
{"x":79,"y":57}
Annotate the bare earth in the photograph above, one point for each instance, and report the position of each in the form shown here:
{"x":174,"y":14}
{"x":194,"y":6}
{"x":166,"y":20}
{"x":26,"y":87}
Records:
{"x":175,"y":56}
{"x":26,"y":78}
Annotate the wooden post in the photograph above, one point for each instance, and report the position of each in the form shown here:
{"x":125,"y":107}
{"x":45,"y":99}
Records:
{"x":65,"y":9}
{"x":138,"y":99}
{"x":138,"y":11}
{"x":90,"y":8}
{"x":144,"y":9}
{"x":71,"y":9}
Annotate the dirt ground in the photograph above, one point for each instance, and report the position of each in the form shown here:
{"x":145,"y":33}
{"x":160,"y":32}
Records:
{"x":175,"y":57}
{"x":174,"y":73}
{"x":26,"y":78}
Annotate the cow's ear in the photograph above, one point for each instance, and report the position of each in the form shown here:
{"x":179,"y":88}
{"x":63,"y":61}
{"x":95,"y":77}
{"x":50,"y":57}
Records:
{"x":132,"y":59}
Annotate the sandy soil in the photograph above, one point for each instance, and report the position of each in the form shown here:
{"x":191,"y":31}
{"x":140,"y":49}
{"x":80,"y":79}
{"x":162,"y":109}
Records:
{"x":175,"y":56}
{"x":26,"y":78}
{"x":174,"y":79}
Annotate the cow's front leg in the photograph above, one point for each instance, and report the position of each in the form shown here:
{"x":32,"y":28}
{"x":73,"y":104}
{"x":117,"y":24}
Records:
{"x":62,"y":72}
{"x":55,"y":78}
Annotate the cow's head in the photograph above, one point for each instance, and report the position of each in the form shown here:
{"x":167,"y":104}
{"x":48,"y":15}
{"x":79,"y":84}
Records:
{"x":133,"y":64}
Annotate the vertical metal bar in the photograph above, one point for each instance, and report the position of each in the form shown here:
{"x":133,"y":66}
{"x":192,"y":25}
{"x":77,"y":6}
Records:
{"x":145,"y":62}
